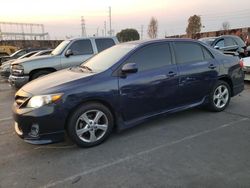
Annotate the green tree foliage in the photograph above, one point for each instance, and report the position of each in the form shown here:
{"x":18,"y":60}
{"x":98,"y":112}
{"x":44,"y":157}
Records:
{"x":153,"y":28}
{"x":128,"y":35}
{"x":194,"y":25}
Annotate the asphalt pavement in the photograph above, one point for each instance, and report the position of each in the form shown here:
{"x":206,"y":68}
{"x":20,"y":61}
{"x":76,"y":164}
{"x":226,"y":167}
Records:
{"x":194,"y":148}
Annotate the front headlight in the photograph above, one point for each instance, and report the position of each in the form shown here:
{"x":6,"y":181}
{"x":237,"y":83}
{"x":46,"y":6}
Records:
{"x":41,"y":100}
{"x":17,"y":69}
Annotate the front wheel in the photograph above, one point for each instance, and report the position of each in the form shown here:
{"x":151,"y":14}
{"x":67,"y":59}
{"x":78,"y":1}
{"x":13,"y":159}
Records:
{"x":90,"y":124}
{"x":220,"y":96}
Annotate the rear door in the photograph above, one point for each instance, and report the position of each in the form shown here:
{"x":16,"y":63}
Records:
{"x":82,"y":50}
{"x":198,"y":71}
{"x":154,"y":87}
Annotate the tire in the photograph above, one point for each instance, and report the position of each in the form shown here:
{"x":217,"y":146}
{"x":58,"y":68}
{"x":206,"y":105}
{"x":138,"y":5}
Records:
{"x":39,"y":74}
{"x":219,"y":97}
{"x":90,"y":124}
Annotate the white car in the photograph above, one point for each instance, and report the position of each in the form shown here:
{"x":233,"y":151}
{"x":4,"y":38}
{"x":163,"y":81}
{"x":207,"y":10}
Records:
{"x":246,"y":67}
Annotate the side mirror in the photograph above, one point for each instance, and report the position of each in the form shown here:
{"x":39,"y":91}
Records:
{"x":217,"y":47}
{"x":69,"y":52}
{"x":129,"y":68}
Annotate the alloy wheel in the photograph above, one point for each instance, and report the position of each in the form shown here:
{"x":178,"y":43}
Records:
{"x":91,"y":126}
{"x":221,"y":96}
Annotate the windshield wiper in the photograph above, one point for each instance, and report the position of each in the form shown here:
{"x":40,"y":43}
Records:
{"x":86,"y":67}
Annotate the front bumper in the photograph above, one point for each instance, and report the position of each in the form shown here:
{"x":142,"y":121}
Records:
{"x":18,"y":81}
{"x":4,"y":73}
{"x":49,"y":120}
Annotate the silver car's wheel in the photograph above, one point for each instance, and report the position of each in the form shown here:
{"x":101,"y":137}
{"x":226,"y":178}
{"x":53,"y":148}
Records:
{"x":91,"y":126}
{"x":221,"y":96}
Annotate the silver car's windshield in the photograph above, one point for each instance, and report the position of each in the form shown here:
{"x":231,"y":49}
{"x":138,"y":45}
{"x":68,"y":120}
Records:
{"x":107,"y":58}
{"x":58,"y":50}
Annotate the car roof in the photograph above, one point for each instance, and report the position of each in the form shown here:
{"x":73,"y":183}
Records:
{"x":77,"y":38}
{"x":140,"y":42}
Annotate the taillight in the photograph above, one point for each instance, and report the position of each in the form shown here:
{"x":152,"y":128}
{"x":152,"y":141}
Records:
{"x":241,"y":63}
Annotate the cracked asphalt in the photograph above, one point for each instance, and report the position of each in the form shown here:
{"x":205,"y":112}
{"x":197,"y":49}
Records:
{"x":194,"y":148}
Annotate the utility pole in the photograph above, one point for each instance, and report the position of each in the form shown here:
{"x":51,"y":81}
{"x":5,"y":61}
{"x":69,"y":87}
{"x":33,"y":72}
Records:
{"x":97,"y":31}
{"x":1,"y":37}
{"x":110,"y":27}
{"x":83,"y":27}
{"x":141,"y":32}
{"x":105,"y":28}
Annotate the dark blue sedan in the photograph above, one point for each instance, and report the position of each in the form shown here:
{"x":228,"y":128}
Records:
{"x":123,"y":86}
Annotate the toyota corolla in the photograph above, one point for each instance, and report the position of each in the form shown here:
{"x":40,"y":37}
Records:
{"x":124,"y":86}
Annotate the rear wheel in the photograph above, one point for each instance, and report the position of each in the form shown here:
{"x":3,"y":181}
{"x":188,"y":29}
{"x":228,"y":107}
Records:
{"x":220,"y":96}
{"x":90,"y":124}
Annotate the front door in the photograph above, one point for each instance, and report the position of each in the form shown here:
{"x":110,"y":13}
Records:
{"x":153,"y":88}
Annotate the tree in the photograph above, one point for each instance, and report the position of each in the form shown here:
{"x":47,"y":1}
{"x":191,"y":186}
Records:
{"x":128,"y":35}
{"x":226,"y":26}
{"x":194,"y":25}
{"x":153,"y":28}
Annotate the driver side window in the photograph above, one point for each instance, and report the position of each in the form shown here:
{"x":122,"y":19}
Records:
{"x":152,"y":57}
{"x":220,"y":44}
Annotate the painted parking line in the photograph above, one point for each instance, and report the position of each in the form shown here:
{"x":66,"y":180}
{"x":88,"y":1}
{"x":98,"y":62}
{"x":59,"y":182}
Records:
{"x":130,"y":157}
{"x":6,"y":119}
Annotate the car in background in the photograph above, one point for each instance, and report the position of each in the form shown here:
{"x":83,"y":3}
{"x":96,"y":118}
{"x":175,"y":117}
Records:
{"x":5,"y":67}
{"x":123,"y":86}
{"x":43,"y":52}
{"x":3,"y":54}
{"x":18,"y":54}
{"x":69,"y":53}
{"x":7,"y":50}
{"x":227,"y":43}
{"x":246,"y":67}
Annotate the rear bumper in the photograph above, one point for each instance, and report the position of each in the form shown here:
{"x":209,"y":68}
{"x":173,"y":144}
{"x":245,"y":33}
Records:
{"x":18,"y":81}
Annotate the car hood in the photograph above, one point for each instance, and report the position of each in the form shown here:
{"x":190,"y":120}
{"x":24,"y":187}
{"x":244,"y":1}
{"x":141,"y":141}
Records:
{"x":36,"y":58}
{"x":8,"y":63}
{"x":57,"y":82}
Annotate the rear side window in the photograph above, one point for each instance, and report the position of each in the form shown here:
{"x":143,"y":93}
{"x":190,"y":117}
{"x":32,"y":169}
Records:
{"x":82,"y":47}
{"x":103,"y":44}
{"x":230,"y":42}
{"x":188,"y":52}
{"x":151,"y":57}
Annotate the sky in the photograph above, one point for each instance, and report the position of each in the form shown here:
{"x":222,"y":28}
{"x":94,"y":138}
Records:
{"x":62,"y":18}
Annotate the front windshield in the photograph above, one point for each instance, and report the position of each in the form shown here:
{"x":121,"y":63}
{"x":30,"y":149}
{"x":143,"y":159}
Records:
{"x":107,"y":58}
{"x":12,"y":55}
{"x":58,"y":50}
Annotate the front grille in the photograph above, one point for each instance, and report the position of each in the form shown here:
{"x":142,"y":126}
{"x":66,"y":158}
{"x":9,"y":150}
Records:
{"x":21,"y":98}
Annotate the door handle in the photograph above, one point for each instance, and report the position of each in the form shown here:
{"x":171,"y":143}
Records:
{"x":212,"y":66}
{"x":171,"y":74}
